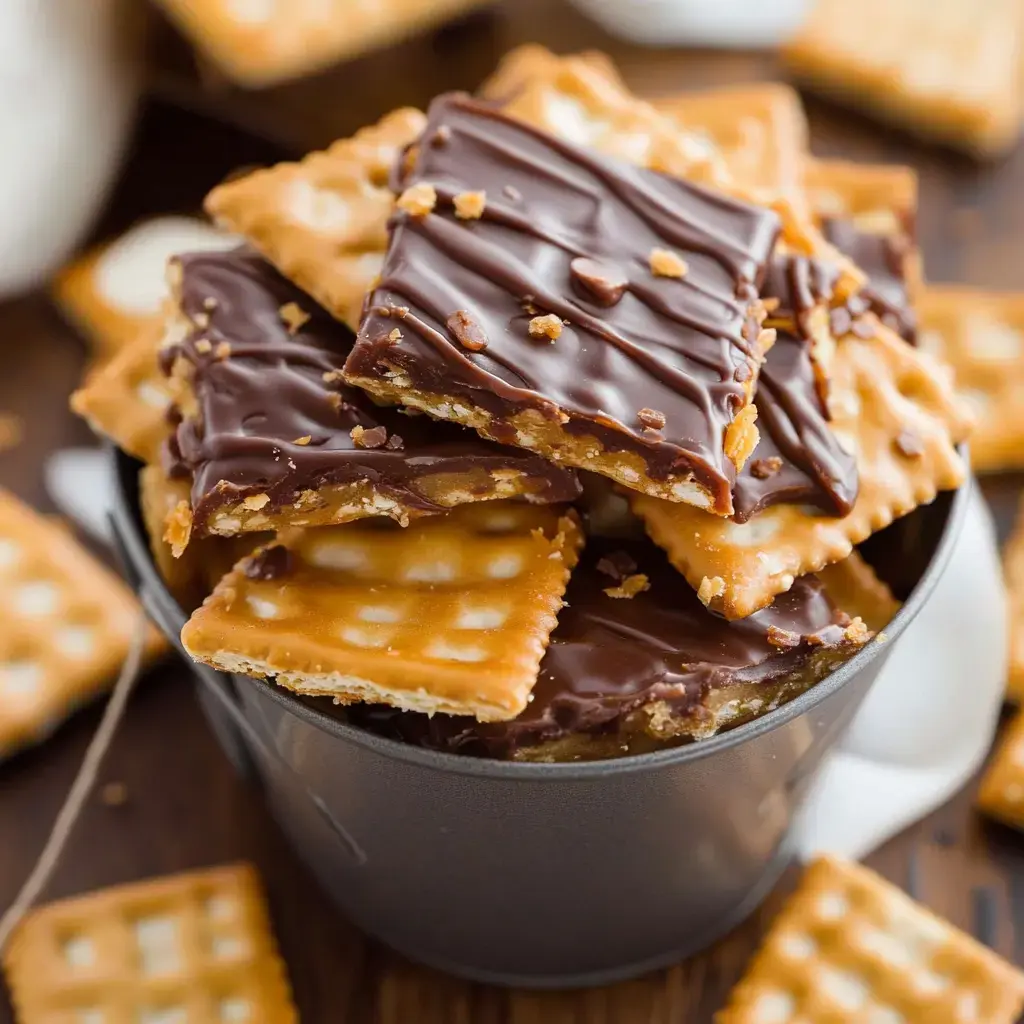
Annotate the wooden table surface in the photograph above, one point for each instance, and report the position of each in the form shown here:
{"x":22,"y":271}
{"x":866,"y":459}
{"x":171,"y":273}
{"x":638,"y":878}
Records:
{"x":185,"y":807}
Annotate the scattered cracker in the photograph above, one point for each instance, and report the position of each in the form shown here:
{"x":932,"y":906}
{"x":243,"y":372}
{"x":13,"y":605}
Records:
{"x":450,"y":614}
{"x":193,"y":947}
{"x":1013,"y":573}
{"x":630,"y":586}
{"x":665,"y":263}
{"x":549,"y":326}
{"x":66,"y":624}
{"x":470,"y":205}
{"x":1001,"y":795}
{"x":258,"y":44}
{"x":981,"y":335}
{"x":849,"y":946}
{"x":946,"y":71}
{"x":710,"y":588}
{"x":116,"y":292}
{"x":880,"y":387}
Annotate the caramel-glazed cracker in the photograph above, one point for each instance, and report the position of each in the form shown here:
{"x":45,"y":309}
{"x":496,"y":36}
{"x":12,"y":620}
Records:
{"x":1013,"y":574}
{"x":116,"y":292}
{"x":760,"y":130}
{"x":128,"y":399}
{"x":68,"y":622}
{"x":259,"y":42}
{"x":945,"y":70}
{"x":855,"y":587}
{"x":195,"y":948}
{"x":323,"y":222}
{"x":1001,"y":794}
{"x":981,"y":335}
{"x":450,"y":614}
{"x":850,"y":948}
{"x":896,"y":412}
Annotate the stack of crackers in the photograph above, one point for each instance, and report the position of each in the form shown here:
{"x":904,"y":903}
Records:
{"x":543,"y":424}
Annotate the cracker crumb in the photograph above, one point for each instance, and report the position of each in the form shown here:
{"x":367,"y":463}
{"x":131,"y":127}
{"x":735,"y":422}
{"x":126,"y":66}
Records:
{"x":395,"y":335}
{"x":651,"y":418}
{"x":784,"y":639}
{"x":223,"y":350}
{"x":470,"y":205}
{"x":857,"y":632}
{"x":549,"y":326}
{"x":909,"y":444}
{"x":256,"y":501}
{"x":710,"y":588}
{"x":466,"y":331}
{"x":418,"y":200}
{"x":294,"y":316}
{"x":204,"y":346}
{"x":741,"y":436}
{"x":178,"y":527}
{"x":666,"y":263}
{"x":630,"y":586}
{"x":762,"y":469}
{"x":201,"y":320}
{"x":333,"y":377}
{"x":209,"y":303}
{"x":114,"y":794}
{"x":881,"y":638}
{"x":304,"y":440}
{"x":372,"y":438}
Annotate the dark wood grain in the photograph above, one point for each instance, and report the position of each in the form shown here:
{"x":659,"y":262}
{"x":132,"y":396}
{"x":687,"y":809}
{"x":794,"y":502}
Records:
{"x":185,"y":807}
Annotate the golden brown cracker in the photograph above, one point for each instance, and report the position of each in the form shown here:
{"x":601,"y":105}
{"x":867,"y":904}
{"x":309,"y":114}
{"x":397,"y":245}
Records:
{"x":1001,"y":794}
{"x":877,"y":197}
{"x":853,"y":585}
{"x":260,"y":42}
{"x":944,"y":70}
{"x":194,"y":947}
{"x":128,"y":399}
{"x":450,"y":614}
{"x":887,"y":400}
{"x":67,"y":625}
{"x":981,"y":335}
{"x":759,"y":129}
{"x":115,"y":293}
{"x":323,"y":222}
{"x":1013,"y":574}
{"x":849,"y":946}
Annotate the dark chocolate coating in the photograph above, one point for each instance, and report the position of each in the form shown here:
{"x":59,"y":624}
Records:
{"x":569,"y":232}
{"x":610,"y":656}
{"x":810,"y":465}
{"x":269,"y":392}
{"x":883,"y":259}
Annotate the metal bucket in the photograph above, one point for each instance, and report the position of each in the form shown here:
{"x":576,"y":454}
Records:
{"x":538,"y":875}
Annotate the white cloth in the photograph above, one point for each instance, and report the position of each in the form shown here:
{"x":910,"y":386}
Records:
{"x":929,"y":719}
{"x":69,"y":82}
{"x":726,"y":23}
{"x":918,"y":737}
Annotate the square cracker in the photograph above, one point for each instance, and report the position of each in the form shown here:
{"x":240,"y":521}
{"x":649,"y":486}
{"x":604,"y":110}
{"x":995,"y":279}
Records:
{"x":194,"y":947}
{"x":116,"y":292}
{"x":449,"y":614}
{"x":943,"y":69}
{"x":67,"y":624}
{"x":760,"y":130}
{"x":260,"y":42}
{"x":896,"y":412}
{"x":981,"y":335}
{"x":1001,"y":794}
{"x":1013,"y":574}
{"x":128,"y":399}
{"x":850,"y":947}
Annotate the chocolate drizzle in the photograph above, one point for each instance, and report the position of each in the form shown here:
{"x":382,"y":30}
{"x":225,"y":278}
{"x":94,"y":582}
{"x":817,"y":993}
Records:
{"x":569,"y":232}
{"x":608,"y":657}
{"x":275,"y":416}
{"x":798,"y":459}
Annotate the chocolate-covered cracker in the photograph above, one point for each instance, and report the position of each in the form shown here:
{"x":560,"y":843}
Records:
{"x":595,"y":293}
{"x":272,"y":435}
{"x":629,"y":674}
